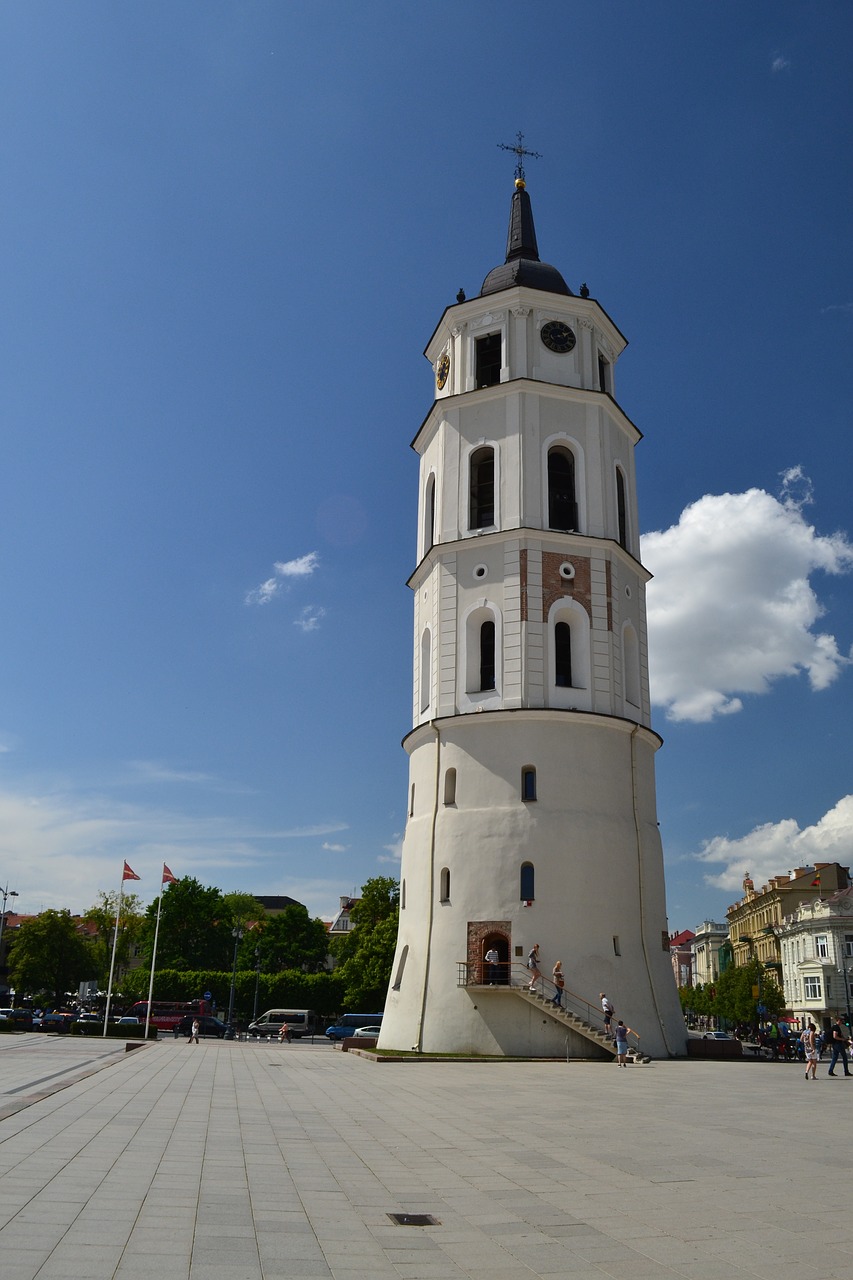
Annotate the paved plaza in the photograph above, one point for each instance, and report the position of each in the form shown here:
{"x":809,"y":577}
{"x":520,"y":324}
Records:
{"x":232,"y":1161}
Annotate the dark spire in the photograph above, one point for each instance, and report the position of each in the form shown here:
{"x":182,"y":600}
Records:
{"x":522,"y":266}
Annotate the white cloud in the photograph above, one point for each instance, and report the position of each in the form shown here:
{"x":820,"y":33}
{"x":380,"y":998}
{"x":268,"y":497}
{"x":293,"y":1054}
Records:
{"x":393,"y":851}
{"x":731,"y":607}
{"x":63,"y":849}
{"x":779,"y":63}
{"x":302,"y":567}
{"x":310,"y":617}
{"x":777,"y":847}
{"x":333,"y":848}
{"x":154,"y":771}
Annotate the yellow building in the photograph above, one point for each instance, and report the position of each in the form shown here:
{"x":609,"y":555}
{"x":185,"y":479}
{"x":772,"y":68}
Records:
{"x":753,"y":920}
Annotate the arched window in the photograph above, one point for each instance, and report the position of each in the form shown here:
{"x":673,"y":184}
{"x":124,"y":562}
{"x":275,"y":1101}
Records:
{"x":412,"y":802}
{"x":487,"y":655}
{"x":621,"y":508}
{"x":526,"y":883}
{"x":528,"y":783}
{"x":480,"y":671}
{"x":429,"y":514}
{"x":450,"y":787}
{"x":403,"y":896}
{"x":398,"y":977}
{"x":426,"y":669}
{"x":482,"y":489}
{"x":569,"y":656}
{"x":563,"y":655}
{"x":562,"y":505}
{"x":444,"y":892}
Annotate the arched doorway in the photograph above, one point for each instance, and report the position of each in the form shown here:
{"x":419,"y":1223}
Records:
{"x":498,"y":975}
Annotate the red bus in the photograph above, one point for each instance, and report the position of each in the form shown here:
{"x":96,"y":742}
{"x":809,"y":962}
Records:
{"x":166,"y":1014}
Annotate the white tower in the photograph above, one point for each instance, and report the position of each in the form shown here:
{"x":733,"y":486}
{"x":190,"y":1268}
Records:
{"x":531,"y":784}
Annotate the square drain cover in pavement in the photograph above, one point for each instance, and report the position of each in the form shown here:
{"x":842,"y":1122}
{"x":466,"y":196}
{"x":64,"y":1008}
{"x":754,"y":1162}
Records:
{"x":414,"y":1220}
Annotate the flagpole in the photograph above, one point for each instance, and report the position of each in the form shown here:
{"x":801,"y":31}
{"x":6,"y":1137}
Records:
{"x":154,"y":958}
{"x":113,"y":957}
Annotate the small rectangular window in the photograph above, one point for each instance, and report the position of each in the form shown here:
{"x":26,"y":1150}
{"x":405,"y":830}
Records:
{"x":603,"y":373}
{"x":821,"y":946}
{"x":616,"y":950}
{"x":488,"y":357}
{"x":528,"y":784}
{"x":812,"y":988}
{"x":848,"y":944}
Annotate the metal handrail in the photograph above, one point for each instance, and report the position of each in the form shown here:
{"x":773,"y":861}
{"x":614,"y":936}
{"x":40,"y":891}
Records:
{"x":516,"y":975}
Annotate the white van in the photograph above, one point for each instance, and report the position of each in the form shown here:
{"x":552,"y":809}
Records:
{"x":302,"y":1022}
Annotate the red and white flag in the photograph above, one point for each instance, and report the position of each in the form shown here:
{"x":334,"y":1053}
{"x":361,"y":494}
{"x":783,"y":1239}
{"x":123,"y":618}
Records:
{"x":168,"y":878}
{"x":129,"y":873}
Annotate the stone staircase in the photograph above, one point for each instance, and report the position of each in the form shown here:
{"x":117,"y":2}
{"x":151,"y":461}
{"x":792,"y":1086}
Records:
{"x":566,"y":1018}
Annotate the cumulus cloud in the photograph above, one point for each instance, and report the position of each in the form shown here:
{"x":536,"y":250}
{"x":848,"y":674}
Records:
{"x":310,"y":618}
{"x":731,"y":607}
{"x":779,"y":63}
{"x":775,"y":847}
{"x":301,"y":567}
{"x":333,"y":848}
{"x":393,"y":851}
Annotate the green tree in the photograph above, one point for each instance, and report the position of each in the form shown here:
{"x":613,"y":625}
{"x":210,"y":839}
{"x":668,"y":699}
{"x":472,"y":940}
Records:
{"x":103,"y":916}
{"x":50,"y":956}
{"x":290,"y":939}
{"x":735,"y":992}
{"x":195,"y":928}
{"x":366,"y":954}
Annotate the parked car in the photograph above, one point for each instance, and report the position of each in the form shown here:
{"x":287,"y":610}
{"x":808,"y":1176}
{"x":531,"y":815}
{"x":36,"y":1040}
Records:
{"x":717,"y":1035}
{"x":22,"y":1018}
{"x":371,"y":1032}
{"x":208,"y":1026}
{"x":126,"y":1021}
{"x":57,"y":1021}
{"x":348,"y":1024}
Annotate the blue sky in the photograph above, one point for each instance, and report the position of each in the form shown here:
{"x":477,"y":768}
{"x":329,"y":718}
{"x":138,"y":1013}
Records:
{"x":228,"y":232}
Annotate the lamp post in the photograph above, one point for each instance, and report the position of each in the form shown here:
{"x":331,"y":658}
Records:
{"x":236,"y":934}
{"x":257,"y":981}
{"x":6,"y":893}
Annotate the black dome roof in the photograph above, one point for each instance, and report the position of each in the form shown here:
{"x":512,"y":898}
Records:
{"x":522,"y":266}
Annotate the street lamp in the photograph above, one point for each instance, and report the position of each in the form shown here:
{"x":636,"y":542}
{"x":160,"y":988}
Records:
{"x":257,"y":980}
{"x":6,"y":894}
{"x":236,"y":934}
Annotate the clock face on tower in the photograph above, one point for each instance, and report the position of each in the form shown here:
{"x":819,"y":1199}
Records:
{"x":558,"y":337}
{"x":442,"y":372}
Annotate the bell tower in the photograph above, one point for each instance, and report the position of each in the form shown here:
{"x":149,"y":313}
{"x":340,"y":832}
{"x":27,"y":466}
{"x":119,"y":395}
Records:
{"x":531,"y":813}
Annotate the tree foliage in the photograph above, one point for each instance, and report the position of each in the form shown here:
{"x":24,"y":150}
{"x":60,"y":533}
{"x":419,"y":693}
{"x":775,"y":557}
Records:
{"x":366,"y":953}
{"x":734,"y":993}
{"x":195,"y":927}
{"x":50,"y":956}
{"x":103,"y":916}
{"x":290,"y":939}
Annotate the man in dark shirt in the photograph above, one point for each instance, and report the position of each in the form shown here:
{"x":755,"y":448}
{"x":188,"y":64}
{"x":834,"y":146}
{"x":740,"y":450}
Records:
{"x":838,"y":1044}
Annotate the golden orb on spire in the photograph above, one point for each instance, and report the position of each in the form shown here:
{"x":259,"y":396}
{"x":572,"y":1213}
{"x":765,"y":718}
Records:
{"x":520,"y":184}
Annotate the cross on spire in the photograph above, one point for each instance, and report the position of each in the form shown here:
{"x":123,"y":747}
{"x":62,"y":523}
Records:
{"x":520,"y":151}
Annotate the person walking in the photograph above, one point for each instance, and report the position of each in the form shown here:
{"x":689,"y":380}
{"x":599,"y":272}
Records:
{"x":810,"y":1047}
{"x":194,"y":1030}
{"x":492,"y":962}
{"x":622,"y":1033}
{"x":559,"y":983}
{"x":533,"y":966}
{"x":838,"y":1044}
{"x":607,"y":1010}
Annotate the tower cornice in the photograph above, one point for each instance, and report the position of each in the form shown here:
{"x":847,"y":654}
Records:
{"x":426,"y":732}
{"x":569,"y":395}
{"x":461,"y":313}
